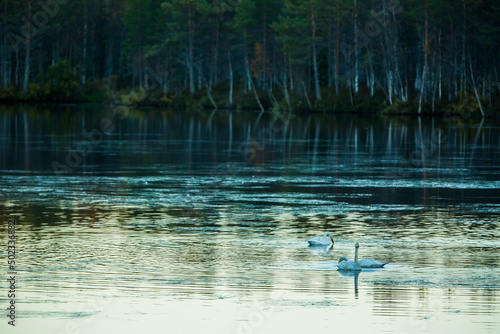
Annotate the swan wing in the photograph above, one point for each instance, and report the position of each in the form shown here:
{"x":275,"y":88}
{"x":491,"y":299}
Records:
{"x":369,"y":263}
{"x":343,"y":265}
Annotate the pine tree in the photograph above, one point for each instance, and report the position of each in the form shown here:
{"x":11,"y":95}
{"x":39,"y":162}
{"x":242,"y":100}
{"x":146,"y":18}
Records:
{"x":142,"y":21}
{"x":297,"y":34}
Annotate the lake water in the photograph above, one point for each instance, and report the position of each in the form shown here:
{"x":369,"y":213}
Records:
{"x":153,"y":221}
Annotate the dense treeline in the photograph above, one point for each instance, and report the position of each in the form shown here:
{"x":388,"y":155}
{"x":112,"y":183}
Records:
{"x":414,"y":55}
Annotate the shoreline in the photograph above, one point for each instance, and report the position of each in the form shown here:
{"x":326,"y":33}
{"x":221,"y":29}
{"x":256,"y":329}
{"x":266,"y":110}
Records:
{"x":198,"y":103}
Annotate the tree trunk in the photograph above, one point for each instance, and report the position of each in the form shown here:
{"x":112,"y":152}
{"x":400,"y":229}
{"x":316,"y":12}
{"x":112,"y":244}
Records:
{"x":440,"y":67}
{"x":254,"y":89}
{"x":337,"y":50}
{"x":190,"y":48}
{"x":27,"y":57}
{"x":422,"y":86}
{"x":4,"y":69}
{"x":85,"y":32}
{"x":207,"y":87}
{"x":231,"y":79}
{"x":109,"y":45}
{"x":209,"y":93}
{"x":389,"y":84}
{"x":264,"y":46}
{"x":426,"y":60}
{"x":356,"y":56}
{"x":330,"y":50}
{"x":199,"y":78}
{"x":306,"y":95}
{"x":16,"y":69}
{"x":285,"y":91}
{"x":214,"y":79}
{"x":273,"y":99}
{"x":475,"y":90}
{"x":397,"y":74}
{"x":315,"y":60}
{"x":463,"y":80}
{"x":371,"y":76}
{"x":249,"y":81}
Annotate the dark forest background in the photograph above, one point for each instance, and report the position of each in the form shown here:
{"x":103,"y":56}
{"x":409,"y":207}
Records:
{"x":414,"y":56}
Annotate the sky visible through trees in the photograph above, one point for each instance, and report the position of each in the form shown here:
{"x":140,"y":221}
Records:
{"x":286,"y":52}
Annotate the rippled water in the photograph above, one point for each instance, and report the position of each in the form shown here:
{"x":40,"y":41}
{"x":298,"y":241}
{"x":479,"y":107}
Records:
{"x":198,"y":222}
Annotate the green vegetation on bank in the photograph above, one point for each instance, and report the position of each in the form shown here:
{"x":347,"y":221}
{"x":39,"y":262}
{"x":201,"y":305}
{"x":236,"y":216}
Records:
{"x":332,"y":102}
{"x":60,"y":85}
{"x":389,"y":56}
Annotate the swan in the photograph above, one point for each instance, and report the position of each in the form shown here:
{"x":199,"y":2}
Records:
{"x":365,"y":263}
{"x":345,"y":264}
{"x":325,"y":240}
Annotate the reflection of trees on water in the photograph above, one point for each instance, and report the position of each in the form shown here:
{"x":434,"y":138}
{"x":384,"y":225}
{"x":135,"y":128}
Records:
{"x":205,"y":139}
{"x":194,"y":168}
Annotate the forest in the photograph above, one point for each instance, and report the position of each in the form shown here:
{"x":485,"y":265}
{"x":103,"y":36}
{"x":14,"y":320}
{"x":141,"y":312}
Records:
{"x":391,"y":56}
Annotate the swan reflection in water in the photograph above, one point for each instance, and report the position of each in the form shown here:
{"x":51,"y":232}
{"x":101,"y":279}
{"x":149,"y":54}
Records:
{"x":354,"y":274}
{"x":321,"y":251}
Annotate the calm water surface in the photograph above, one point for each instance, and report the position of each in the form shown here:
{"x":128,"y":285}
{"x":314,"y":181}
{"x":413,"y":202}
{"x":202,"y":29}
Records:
{"x":176,"y":222}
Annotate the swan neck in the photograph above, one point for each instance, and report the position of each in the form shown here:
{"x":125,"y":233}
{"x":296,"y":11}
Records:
{"x":356,"y":256}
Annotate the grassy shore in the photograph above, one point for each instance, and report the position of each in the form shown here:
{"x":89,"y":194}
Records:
{"x":69,"y":91}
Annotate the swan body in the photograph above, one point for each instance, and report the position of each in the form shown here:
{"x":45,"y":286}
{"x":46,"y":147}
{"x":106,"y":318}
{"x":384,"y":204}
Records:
{"x":349,"y":266}
{"x":345,"y":264}
{"x":325,"y":240}
{"x":366,"y":263}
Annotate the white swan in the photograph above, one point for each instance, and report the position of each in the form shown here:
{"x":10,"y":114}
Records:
{"x":325,"y":240}
{"x":365,"y":263}
{"x":345,"y":264}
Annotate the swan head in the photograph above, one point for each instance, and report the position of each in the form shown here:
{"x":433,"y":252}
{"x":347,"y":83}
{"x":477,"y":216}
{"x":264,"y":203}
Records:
{"x":329,"y":235}
{"x":357,"y":244}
